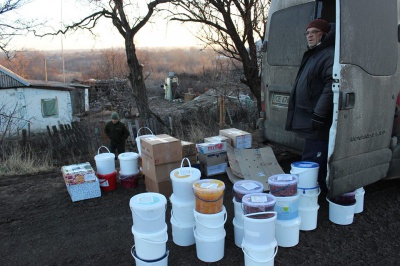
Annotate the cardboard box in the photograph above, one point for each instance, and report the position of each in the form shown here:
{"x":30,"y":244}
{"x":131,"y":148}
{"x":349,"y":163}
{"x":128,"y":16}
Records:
{"x":152,"y":185}
{"x":78,"y":173}
{"x":86,"y":190}
{"x":211,"y":147}
{"x":239,"y":139}
{"x":188,"y":149}
{"x":161,"y":149}
{"x":160,"y":172}
{"x":218,"y":139}
{"x":214,"y":163}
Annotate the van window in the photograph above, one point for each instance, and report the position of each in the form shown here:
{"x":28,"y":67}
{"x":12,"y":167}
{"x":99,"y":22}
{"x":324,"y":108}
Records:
{"x":371,"y":40}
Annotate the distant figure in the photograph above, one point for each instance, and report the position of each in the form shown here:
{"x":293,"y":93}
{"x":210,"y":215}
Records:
{"x":310,"y":107}
{"x":117,"y":132}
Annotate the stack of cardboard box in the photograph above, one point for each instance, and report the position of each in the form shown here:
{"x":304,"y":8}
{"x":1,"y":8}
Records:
{"x":160,"y":155}
{"x":212,"y":157}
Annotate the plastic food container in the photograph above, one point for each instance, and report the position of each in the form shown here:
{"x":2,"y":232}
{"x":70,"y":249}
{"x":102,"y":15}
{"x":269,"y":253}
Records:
{"x":243,"y":187}
{"x":258,"y":202}
{"x":283,"y":185}
{"x":128,"y":181}
{"x":209,"y":195}
{"x":345,"y":199}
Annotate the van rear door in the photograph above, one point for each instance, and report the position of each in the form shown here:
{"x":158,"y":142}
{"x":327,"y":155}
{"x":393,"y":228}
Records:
{"x":366,"y":73}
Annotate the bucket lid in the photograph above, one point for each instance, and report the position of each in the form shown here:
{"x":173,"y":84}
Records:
{"x":148,"y":201}
{"x":248,"y":186}
{"x":185,"y":174}
{"x":258,"y":199}
{"x":104,"y":156}
{"x":305,"y":164}
{"x":282,"y":179}
{"x":128,"y":156}
{"x":208,"y":185}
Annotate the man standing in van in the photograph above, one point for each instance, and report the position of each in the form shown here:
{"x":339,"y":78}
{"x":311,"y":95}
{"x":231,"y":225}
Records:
{"x":311,"y":101}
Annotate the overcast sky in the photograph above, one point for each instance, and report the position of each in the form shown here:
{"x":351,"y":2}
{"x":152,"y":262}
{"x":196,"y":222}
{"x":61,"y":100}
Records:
{"x":158,"y":34}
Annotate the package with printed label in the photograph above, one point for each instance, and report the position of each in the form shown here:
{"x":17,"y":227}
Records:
{"x":211,"y":147}
{"x":239,"y":139}
{"x":213,"y":163}
{"x":78,"y":174}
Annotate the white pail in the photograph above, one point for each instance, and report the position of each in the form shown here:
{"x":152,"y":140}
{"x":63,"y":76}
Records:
{"x":129,"y":163}
{"x":210,"y":225}
{"x":142,"y":136}
{"x":260,"y":253}
{"x":182,"y":181}
{"x":150,"y":246}
{"x":287,"y":232}
{"x":259,"y":231}
{"x":182,"y":211}
{"x":148,"y":212}
{"x":340,"y":214}
{"x":308,"y":197}
{"x":307,"y":172}
{"x":360,"y":192}
{"x":182,"y":235}
{"x":210,"y":249}
{"x":105,"y":162}
{"x":287,"y":208}
{"x":250,"y":260}
{"x":238,"y":212}
{"x":309,"y":217}
{"x":238,"y":232}
{"x":163,"y":261}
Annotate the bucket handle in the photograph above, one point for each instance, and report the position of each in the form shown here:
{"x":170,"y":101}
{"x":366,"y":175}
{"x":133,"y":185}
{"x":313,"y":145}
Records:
{"x":264,"y":261}
{"x":212,"y":227}
{"x":259,"y":213}
{"x":146,"y":128}
{"x":208,"y":200}
{"x":98,"y":151}
{"x":187,"y":159}
{"x":150,"y":241}
{"x":161,"y":213}
{"x":304,"y":190}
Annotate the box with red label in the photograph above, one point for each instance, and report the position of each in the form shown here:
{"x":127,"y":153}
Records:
{"x":218,"y":139}
{"x":161,"y":149}
{"x":240,"y":139}
{"x":211,"y":147}
{"x":78,"y":174}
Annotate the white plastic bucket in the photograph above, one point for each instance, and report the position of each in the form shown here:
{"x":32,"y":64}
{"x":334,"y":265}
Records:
{"x":260,"y":254}
{"x":150,"y":246}
{"x":309,"y":217}
{"x":238,"y":233}
{"x":307,"y":173}
{"x":182,"y":235}
{"x":287,"y":232}
{"x":238,"y":212}
{"x":163,"y":261}
{"x":360,"y":192}
{"x":340,"y":214}
{"x":129,"y":163}
{"x":105,"y":162}
{"x":259,"y":231}
{"x":148,"y":212}
{"x":308,"y":198}
{"x":182,"y":181}
{"x":210,"y":249}
{"x":182,"y":211}
{"x":210,"y":225}
{"x":287,"y":208}
{"x":142,"y":136}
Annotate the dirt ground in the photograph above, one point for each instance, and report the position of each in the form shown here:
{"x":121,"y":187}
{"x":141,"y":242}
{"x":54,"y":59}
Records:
{"x":40,"y":225}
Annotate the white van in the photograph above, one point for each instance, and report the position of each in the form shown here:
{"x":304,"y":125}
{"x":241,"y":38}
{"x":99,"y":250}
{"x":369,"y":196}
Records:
{"x":363,"y":144}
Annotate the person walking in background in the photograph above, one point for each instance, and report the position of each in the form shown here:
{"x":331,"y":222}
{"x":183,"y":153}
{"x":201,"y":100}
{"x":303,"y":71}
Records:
{"x":117,"y":132}
{"x":310,"y":107}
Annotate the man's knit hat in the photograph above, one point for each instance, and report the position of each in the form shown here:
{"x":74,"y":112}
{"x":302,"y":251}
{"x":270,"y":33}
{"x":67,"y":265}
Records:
{"x":319,"y":24}
{"x":114,"y":116}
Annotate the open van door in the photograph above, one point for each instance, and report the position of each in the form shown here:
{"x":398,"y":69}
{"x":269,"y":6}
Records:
{"x":367,"y":81}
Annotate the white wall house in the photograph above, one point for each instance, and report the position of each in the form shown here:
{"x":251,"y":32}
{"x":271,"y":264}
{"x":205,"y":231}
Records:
{"x":32,"y":105}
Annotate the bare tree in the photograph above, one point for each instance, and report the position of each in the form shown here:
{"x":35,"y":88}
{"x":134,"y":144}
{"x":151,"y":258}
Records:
{"x":126,"y":18}
{"x":231,"y":28}
{"x":12,"y":25}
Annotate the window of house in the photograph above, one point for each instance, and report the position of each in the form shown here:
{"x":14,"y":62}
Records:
{"x":50,"y":107}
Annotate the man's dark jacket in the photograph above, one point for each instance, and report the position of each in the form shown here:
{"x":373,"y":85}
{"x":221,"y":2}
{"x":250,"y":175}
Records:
{"x":312,"y":94}
{"x":117,"y":133}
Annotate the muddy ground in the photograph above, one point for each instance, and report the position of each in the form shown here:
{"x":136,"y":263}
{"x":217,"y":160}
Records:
{"x":40,"y":225}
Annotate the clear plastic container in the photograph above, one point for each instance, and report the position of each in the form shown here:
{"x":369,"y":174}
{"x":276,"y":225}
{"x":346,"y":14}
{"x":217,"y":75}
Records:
{"x":243,"y":187}
{"x":209,"y":195}
{"x":258,"y":202}
{"x":283,"y":185}
{"x":345,"y":199}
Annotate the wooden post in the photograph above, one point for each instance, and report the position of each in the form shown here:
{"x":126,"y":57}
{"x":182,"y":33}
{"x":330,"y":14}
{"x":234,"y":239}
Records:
{"x":221,"y":111}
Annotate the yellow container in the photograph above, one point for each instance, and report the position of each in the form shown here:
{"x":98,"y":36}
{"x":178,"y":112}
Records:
{"x":209,"y":195}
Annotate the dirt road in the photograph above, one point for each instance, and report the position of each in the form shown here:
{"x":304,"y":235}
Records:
{"x":39,"y":225}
